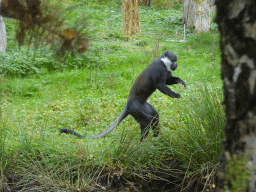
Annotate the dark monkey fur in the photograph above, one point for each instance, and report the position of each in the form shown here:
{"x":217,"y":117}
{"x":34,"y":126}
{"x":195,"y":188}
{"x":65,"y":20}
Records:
{"x":156,"y":76}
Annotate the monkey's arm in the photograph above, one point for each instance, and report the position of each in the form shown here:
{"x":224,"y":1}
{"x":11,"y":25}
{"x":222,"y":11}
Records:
{"x":175,"y":80}
{"x":166,"y":90}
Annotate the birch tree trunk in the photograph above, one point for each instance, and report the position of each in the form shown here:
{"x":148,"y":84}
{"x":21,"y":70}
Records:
{"x":237,"y":24}
{"x":3,"y":39}
{"x":197,"y":14}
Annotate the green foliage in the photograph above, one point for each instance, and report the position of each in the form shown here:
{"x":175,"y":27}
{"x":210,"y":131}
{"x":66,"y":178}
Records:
{"x":25,"y":62}
{"x":201,"y":120}
{"x":87,"y":94}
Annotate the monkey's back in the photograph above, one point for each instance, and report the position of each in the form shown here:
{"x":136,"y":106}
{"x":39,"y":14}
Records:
{"x":145,"y":83}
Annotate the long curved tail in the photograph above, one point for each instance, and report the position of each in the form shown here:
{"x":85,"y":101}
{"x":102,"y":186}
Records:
{"x":111,"y":128}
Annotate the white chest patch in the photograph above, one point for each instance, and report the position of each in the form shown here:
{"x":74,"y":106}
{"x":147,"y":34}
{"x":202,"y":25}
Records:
{"x":167,"y":63}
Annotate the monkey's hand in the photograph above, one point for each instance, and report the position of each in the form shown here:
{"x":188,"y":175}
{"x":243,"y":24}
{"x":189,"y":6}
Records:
{"x":176,"y":95}
{"x":182,"y":82}
{"x":185,"y":85}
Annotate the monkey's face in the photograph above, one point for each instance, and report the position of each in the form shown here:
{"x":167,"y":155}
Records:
{"x":173,"y":58}
{"x":174,"y":65}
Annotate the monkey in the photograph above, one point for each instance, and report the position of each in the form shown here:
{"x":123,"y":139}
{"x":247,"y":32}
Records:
{"x":156,"y":76}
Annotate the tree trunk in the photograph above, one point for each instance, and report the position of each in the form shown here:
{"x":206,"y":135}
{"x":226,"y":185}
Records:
{"x":237,"y":24}
{"x":197,"y":14}
{"x":131,"y":17}
{"x":3,"y":39}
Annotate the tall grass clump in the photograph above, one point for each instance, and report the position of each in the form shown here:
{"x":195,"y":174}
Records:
{"x":197,"y":141}
{"x":3,"y":132}
{"x":45,"y":164}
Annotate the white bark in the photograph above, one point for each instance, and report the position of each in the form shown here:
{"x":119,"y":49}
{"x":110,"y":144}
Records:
{"x":3,"y":39}
{"x":237,"y":167}
{"x":198,"y":14}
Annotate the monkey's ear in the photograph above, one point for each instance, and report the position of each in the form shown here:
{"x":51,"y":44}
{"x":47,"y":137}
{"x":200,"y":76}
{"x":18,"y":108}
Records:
{"x":167,"y":56}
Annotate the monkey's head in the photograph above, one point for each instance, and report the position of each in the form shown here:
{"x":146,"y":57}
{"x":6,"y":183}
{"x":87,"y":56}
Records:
{"x":170,"y":60}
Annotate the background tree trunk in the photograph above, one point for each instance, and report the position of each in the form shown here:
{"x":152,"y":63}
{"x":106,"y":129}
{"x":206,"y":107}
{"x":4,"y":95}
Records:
{"x":198,"y":14}
{"x":237,"y":24}
{"x":3,"y":39}
{"x":131,"y":17}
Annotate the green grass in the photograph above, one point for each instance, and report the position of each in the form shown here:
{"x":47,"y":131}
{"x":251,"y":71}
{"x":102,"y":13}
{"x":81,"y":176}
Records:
{"x":88,"y":93}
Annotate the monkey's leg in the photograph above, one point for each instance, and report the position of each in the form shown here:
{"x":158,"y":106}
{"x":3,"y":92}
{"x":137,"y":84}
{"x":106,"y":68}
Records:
{"x":142,"y":114}
{"x":155,"y":119}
